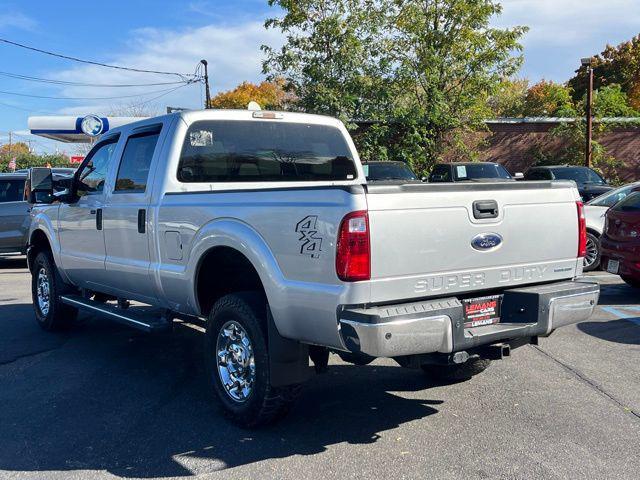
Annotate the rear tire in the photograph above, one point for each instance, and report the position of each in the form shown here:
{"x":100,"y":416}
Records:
{"x":46,"y":288}
{"x":592,"y":259}
{"x":237,"y":362}
{"x":457,"y":373}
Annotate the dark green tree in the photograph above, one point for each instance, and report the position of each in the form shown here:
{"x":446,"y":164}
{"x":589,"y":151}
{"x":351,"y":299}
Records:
{"x":618,"y":65}
{"x":422,"y":69}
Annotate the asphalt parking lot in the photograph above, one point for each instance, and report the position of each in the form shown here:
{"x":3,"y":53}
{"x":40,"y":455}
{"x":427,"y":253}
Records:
{"x":104,"y":401}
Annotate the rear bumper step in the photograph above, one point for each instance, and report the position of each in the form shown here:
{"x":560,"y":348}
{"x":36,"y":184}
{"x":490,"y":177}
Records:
{"x":147,"y":319}
{"x":437,"y":326}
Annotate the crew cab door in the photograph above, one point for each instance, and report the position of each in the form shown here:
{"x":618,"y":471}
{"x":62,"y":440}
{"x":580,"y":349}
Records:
{"x":126,"y":231}
{"x":80,"y":223}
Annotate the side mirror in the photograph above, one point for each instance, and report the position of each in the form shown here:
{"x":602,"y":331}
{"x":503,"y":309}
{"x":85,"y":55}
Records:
{"x":39,"y":185}
{"x":519,"y":176}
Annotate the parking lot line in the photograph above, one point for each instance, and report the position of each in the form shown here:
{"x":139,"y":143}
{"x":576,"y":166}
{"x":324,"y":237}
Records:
{"x":617,"y":311}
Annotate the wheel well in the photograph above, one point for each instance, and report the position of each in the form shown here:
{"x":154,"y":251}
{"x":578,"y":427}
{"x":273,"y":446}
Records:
{"x":593,"y":232}
{"x":37,"y":243}
{"x":224,"y":270}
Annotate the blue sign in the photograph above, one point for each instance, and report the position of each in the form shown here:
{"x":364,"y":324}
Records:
{"x":92,"y":125}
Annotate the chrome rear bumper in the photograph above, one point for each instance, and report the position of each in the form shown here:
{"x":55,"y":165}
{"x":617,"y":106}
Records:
{"x":436,"y":326}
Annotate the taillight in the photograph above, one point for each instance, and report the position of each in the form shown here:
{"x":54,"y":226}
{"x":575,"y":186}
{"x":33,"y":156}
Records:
{"x":582,"y":231}
{"x":353,"y":250}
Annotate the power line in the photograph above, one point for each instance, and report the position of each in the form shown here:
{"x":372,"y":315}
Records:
{"x":29,"y":110}
{"x":81,"y":84}
{"x":91,"y":98}
{"x":90,"y":62}
{"x":159,"y":96}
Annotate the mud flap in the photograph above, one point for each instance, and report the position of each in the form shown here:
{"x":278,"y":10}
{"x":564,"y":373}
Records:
{"x":288,"y":359}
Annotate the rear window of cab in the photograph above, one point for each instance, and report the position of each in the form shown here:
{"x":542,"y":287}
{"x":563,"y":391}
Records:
{"x":258,"y":151}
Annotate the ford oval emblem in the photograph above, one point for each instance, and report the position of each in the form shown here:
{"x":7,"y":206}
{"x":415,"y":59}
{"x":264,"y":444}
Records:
{"x":486,"y":241}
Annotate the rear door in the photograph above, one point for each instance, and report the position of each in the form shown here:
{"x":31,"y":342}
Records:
{"x":14,"y":215}
{"x":441,"y":239}
{"x":127,"y":236}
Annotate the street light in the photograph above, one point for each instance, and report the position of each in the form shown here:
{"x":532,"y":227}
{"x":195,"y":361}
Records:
{"x":587,"y":62}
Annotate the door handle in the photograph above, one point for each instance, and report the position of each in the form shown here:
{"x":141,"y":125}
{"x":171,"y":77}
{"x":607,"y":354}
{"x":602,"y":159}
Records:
{"x":142,"y":220}
{"x":485,"y":209}
{"x":98,"y":214}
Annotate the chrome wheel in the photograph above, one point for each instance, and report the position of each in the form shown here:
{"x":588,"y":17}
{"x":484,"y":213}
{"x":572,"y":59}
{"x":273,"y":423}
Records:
{"x":592,"y":252}
{"x":236,"y":364}
{"x":43,"y":289}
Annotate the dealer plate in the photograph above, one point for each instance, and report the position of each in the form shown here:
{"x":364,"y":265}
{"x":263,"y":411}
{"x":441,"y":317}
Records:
{"x":481,"y":310}
{"x":613,"y":266}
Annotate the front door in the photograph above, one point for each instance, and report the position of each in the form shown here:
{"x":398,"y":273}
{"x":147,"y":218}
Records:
{"x":81,"y":222}
{"x":126,"y":219}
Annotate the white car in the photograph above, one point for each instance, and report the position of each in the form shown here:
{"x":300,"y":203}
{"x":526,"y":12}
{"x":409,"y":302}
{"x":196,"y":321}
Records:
{"x":595,"y":211}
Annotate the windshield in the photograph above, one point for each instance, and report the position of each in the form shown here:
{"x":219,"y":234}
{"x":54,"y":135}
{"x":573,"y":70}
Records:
{"x":481,"y":171}
{"x":611,"y":198}
{"x":630,"y":204}
{"x":581,"y":175}
{"x":388,"y":171}
{"x":258,"y":151}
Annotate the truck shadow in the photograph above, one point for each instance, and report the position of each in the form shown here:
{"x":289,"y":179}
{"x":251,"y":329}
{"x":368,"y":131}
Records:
{"x":618,"y":331}
{"x":7,"y":263}
{"x":618,"y":294}
{"x":106,"y":398}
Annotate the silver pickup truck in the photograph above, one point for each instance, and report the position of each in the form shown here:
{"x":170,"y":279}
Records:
{"x":260,"y":227}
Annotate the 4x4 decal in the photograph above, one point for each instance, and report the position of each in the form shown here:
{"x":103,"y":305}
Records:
{"x":310,"y":241}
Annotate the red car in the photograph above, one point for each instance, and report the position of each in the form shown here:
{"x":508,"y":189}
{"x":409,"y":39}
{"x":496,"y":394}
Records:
{"x":620,"y":241}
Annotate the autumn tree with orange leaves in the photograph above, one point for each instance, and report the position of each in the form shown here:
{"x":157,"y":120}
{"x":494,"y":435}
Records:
{"x":269,"y":95}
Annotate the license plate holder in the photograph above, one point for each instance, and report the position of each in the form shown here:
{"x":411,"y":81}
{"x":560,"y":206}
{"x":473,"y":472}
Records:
{"x":613,"y":266}
{"x":481,"y":311}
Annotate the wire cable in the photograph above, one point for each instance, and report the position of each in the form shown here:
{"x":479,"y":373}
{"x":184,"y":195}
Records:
{"x":90,"y":62}
{"x":81,"y":84}
{"x":29,"y":110}
{"x":90,"y":98}
{"x":159,"y":96}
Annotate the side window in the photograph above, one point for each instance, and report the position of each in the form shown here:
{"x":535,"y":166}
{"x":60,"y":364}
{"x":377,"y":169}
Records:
{"x":133,"y":172}
{"x":11,"y":190}
{"x":441,"y":173}
{"x":93,"y":173}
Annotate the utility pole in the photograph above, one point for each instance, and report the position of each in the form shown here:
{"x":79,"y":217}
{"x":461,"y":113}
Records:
{"x":587,"y":152}
{"x":206,"y":85}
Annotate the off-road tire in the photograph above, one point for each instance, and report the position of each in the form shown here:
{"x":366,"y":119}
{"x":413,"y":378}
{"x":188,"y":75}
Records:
{"x":265,"y":404}
{"x":58,"y":316}
{"x":457,"y":373}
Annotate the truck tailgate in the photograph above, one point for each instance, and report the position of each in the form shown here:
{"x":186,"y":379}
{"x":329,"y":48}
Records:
{"x":426,"y":240}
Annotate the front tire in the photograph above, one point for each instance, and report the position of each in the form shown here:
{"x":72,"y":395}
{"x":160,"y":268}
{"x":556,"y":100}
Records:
{"x":592,"y":258}
{"x":46,"y":288}
{"x":237,"y":362}
{"x":458,"y":372}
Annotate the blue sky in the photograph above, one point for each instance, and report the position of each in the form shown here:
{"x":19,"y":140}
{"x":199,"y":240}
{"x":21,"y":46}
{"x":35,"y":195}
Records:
{"x":175,"y":35}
